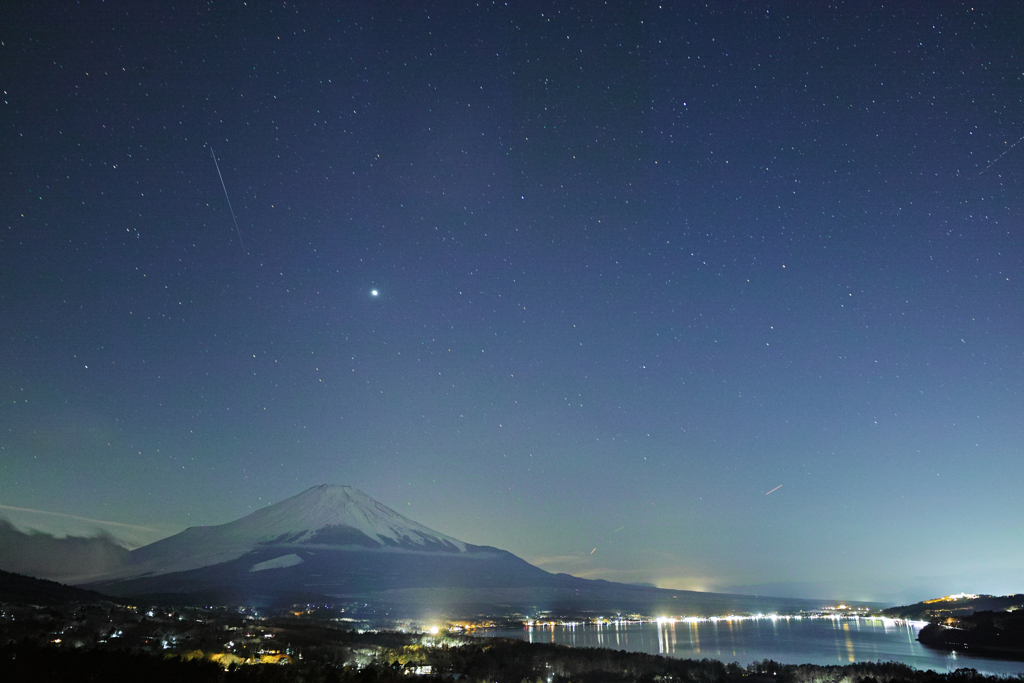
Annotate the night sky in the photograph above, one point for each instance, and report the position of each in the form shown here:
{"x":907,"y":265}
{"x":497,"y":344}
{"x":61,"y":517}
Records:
{"x":581,"y":281}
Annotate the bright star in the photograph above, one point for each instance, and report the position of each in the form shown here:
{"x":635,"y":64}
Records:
{"x":373,"y":292}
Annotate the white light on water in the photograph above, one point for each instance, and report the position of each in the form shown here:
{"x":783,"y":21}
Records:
{"x":823,"y":639}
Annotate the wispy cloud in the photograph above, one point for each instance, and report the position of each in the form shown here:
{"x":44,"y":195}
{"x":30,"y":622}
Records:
{"x":81,"y":519}
{"x":64,"y":559}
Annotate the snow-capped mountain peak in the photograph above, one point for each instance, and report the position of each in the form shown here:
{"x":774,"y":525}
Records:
{"x":329,"y":506}
{"x":324,"y":515}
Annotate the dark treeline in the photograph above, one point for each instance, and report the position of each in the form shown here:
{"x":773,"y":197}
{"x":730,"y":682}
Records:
{"x":28,"y":661}
{"x":473,"y":661}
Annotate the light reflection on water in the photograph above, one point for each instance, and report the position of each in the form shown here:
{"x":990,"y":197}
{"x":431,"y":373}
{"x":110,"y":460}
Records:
{"x":788,"y":640}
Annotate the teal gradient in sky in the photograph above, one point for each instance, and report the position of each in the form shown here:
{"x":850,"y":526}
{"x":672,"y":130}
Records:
{"x":581,"y":282}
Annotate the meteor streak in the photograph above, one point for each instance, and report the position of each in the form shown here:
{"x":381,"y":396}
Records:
{"x":227,"y":198}
{"x":1005,"y":152}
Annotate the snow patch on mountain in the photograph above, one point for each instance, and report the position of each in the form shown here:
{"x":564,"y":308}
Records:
{"x":277,"y":563}
{"x":343,"y":506}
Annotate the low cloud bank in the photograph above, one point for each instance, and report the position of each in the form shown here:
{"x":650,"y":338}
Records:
{"x":45,"y":556}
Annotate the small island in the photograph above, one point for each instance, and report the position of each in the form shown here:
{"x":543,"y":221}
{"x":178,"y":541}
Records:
{"x":982,"y":625}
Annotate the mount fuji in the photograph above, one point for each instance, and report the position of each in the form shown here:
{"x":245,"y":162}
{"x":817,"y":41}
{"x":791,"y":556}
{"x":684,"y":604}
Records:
{"x":338,"y":542}
{"x":327,"y":541}
{"x":322,"y":517}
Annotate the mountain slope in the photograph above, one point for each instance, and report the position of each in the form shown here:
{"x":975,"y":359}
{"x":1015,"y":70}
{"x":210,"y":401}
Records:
{"x":336,"y":541}
{"x":324,"y":515}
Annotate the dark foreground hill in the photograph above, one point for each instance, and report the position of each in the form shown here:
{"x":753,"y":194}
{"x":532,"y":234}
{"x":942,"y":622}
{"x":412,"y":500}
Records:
{"x":25,"y":590}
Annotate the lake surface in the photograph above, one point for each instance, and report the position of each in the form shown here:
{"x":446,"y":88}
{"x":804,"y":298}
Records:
{"x":788,"y":640}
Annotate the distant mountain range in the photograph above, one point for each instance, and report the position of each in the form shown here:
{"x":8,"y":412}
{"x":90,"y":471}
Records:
{"x":336,"y":542}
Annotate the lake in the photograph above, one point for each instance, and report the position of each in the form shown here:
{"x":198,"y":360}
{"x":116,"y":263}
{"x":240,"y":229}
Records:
{"x":788,"y":640}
